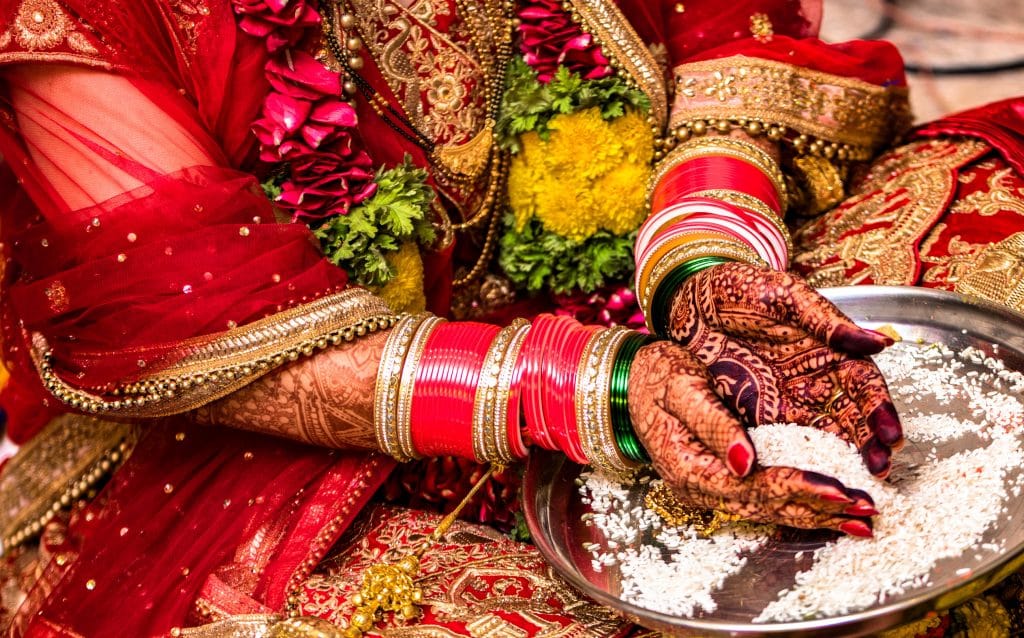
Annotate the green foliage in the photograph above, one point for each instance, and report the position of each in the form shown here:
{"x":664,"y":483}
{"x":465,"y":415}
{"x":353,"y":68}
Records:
{"x":529,"y":105}
{"x":535,"y":258}
{"x":520,"y":532}
{"x":360,"y":241}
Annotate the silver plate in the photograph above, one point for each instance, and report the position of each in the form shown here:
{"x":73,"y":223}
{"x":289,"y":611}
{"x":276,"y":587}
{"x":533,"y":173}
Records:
{"x":553,"y":508}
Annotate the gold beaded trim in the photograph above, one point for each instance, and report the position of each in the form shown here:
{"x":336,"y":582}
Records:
{"x":681,"y":254}
{"x":506,"y":377}
{"x":748,"y":201}
{"x":62,"y":464}
{"x":828,"y":107}
{"x":720,"y":146}
{"x":407,"y":387}
{"x":625,"y":51}
{"x":593,"y":403}
{"x":215,"y":367}
{"x":490,"y":440}
{"x":386,"y":390}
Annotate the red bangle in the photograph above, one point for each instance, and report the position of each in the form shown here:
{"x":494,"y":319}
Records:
{"x":714,"y":172}
{"x":445,"y":388}
{"x":532,"y":383}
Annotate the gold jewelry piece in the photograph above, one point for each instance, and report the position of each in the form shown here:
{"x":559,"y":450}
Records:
{"x":746,"y":200}
{"x":593,"y":402}
{"x":385,"y":404}
{"x":822,"y":182}
{"x":407,"y":386}
{"x":391,"y":587}
{"x":506,"y":377}
{"x":486,"y":434}
{"x":662,"y":501}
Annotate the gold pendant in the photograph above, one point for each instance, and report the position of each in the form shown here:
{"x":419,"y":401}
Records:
{"x":470,"y":159}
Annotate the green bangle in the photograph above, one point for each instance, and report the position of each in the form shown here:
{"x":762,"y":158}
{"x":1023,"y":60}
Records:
{"x":625,"y":436}
{"x":662,"y":298}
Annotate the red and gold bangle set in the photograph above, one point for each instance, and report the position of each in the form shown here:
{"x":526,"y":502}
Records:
{"x":712,"y":200}
{"x":478,"y":391}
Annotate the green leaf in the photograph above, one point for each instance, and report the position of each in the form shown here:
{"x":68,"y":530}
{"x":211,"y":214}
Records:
{"x":361,"y":241}
{"x":537,"y":259}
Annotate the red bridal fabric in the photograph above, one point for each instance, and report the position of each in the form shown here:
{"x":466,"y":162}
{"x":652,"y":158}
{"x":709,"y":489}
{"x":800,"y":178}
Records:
{"x":712,"y":30}
{"x":1001,"y":124}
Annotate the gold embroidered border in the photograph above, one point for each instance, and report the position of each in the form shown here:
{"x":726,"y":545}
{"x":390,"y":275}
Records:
{"x":997,"y":274}
{"x":898,"y":202}
{"x":55,"y":468}
{"x":603,"y":20}
{"x":213,"y":367}
{"x":831,"y":107}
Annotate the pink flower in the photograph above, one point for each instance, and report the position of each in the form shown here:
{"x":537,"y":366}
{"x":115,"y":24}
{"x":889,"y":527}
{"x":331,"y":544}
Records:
{"x":322,"y":185}
{"x":282,"y":23}
{"x":551,"y":39}
{"x":300,"y":75}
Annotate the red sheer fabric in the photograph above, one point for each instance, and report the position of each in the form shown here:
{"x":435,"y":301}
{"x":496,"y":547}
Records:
{"x":163,"y":527}
{"x":710,"y":30}
{"x":138,"y":236}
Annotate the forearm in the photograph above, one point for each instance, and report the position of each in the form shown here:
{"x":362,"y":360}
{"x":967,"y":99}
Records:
{"x":325,"y":399}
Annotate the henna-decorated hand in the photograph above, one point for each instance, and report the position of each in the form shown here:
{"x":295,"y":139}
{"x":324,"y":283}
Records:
{"x":780,"y":352}
{"x":701,"y":450}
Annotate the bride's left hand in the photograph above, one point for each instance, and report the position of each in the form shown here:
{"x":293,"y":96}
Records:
{"x":780,"y":352}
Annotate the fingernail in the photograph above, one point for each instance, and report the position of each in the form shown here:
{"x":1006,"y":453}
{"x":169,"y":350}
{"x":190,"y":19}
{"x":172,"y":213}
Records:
{"x":860,"y":510}
{"x":836,"y":498}
{"x":856,"y":528}
{"x":886,"y":424}
{"x":876,"y":457}
{"x":861,"y":495}
{"x":886,"y":339}
{"x":832,"y":489}
{"x":740,"y":459}
{"x":857,"y":340}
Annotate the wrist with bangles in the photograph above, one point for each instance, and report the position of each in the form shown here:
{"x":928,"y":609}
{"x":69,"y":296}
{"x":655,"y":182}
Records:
{"x":713,"y":200}
{"x":482,"y":392}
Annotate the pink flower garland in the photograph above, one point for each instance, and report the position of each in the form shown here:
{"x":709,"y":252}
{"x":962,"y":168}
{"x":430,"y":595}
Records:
{"x":303,"y":122}
{"x":550,"y":38}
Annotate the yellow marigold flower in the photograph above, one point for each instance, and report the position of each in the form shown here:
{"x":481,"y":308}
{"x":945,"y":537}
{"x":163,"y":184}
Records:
{"x":404,"y":293}
{"x":589,"y":176}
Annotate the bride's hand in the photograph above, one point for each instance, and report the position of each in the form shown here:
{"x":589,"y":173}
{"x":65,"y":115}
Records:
{"x":780,"y":352}
{"x":702,"y":452}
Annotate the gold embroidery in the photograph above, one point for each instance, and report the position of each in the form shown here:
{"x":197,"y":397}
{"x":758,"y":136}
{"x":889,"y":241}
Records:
{"x":214,"y":366}
{"x":947,"y":269}
{"x":57,"y":467}
{"x":830,"y":107}
{"x":621,"y":44}
{"x":57,"y":295}
{"x":471,"y":158}
{"x":997,"y":274}
{"x":41,"y":26}
{"x":899,"y":200}
{"x":761,"y":27}
{"x":475,"y":578}
{"x":998,"y":197}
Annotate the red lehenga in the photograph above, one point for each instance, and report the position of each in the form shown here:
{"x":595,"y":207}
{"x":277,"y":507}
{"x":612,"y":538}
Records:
{"x":203,"y":524}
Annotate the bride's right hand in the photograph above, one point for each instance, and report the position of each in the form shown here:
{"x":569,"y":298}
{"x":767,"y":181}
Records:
{"x":702,"y":452}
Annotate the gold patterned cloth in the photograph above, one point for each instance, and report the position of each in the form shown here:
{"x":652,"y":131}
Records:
{"x":942,"y":213}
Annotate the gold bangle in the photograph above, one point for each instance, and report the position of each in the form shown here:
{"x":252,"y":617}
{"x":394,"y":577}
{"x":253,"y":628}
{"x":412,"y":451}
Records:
{"x":593,"y":402}
{"x":385,"y":404}
{"x":721,"y":146}
{"x":407,"y":386}
{"x":484,"y":431}
{"x":506,"y":377}
{"x":730,"y":249}
{"x":746,"y":200}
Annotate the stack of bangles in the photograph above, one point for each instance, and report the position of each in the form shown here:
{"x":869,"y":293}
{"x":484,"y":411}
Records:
{"x":482,"y":392}
{"x":713,"y":200}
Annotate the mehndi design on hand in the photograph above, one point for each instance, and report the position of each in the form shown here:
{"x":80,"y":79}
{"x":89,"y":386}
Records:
{"x":780,"y":352}
{"x":692,"y":437}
